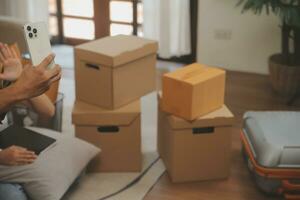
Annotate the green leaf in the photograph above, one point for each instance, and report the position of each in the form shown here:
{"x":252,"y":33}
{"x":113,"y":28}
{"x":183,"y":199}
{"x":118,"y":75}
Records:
{"x":287,"y":10}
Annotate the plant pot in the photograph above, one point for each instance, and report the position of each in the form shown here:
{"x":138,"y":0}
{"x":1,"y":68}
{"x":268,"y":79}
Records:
{"x":285,"y":79}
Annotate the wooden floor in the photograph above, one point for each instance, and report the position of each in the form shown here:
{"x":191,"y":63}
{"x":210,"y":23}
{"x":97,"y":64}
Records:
{"x":244,"y":92}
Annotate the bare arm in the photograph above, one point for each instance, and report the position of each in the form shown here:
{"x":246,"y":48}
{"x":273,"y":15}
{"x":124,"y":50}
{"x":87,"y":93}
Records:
{"x":43,"y":106}
{"x":15,"y":155}
{"x":33,"y":82}
{"x":10,"y":96}
{"x":30,"y":81}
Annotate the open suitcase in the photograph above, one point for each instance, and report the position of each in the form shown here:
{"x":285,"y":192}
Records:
{"x":271,"y":148}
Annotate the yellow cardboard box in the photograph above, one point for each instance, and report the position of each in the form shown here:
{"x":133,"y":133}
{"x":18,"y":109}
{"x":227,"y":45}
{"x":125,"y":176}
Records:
{"x":192,"y":91}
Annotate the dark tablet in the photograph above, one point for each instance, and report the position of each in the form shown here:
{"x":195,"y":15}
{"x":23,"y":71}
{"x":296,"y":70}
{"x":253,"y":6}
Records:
{"x":20,"y":136}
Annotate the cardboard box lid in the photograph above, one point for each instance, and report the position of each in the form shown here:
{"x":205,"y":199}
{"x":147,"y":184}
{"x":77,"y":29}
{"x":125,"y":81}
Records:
{"x":217,"y":118}
{"x":220,"y":117}
{"x":195,"y":73}
{"x":117,"y":50}
{"x":86,"y":114}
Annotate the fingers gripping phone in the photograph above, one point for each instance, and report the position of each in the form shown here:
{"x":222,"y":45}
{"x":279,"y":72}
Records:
{"x":38,"y":42}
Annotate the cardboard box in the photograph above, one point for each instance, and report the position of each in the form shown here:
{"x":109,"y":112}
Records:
{"x":198,"y":150}
{"x":113,"y":71}
{"x":192,"y":91}
{"x":116,"y":132}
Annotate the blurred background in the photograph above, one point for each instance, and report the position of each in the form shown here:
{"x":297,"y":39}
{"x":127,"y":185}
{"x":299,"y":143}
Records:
{"x":187,"y":30}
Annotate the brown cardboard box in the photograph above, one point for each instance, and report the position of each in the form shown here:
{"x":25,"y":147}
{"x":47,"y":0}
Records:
{"x":192,"y":91}
{"x":113,"y":71}
{"x":197,"y":150}
{"x":116,"y":132}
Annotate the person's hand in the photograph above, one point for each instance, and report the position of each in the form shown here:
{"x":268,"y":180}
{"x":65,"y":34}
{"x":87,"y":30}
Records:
{"x":15,"y":155}
{"x":11,"y":63}
{"x":35,"y":80}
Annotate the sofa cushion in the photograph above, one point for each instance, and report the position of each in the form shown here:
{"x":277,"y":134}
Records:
{"x":55,"y":169}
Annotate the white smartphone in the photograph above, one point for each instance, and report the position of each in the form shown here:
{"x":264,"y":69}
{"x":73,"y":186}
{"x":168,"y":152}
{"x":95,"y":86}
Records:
{"x":38,"y":42}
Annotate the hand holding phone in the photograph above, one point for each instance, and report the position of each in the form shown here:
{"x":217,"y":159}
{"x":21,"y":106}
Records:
{"x":38,"y":43}
{"x":34,"y":81}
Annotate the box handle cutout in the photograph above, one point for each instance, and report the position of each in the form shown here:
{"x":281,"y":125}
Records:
{"x":93,"y":66}
{"x":108,"y":129}
{"x":204,"y":130}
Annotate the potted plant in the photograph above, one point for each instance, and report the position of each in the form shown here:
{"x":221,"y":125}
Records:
{"x":284,"y":67}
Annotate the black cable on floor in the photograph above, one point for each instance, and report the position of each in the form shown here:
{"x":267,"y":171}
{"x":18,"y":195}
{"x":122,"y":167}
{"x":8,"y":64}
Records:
{"x":137,"y":179}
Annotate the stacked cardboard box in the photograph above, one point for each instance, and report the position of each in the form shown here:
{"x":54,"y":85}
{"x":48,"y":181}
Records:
{"x":111,"y":75}
{"x":194,"y":125}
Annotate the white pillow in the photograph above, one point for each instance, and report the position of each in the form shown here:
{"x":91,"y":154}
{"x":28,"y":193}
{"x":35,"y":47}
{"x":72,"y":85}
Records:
{"x":55,"y":169}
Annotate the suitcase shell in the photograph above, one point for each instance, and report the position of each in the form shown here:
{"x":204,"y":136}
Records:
{"x":271,"y":147}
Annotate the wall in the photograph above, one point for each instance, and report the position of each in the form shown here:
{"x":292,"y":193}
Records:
{"x":234,"y":41}
{"x":2,"y":7}
{"x":29,"y":10}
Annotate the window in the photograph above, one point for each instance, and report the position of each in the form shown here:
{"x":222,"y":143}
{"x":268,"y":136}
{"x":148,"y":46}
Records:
{"x":75,"y":21}
{"x":53,"y":21}
{"x":71,"y":19}
{"x":77,"y":17}
{"x":126,"y":17}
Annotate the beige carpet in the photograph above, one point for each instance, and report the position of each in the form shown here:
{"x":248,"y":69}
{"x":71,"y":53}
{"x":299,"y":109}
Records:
{"x":100,"y":185}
